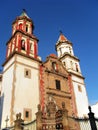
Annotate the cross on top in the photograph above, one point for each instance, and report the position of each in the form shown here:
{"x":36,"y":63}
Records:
{"x":6,"y":121}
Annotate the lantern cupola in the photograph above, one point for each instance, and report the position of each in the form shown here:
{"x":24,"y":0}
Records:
{"x":63,"y":46}
{"x":23,"y":41}
{"x":23,"y":23}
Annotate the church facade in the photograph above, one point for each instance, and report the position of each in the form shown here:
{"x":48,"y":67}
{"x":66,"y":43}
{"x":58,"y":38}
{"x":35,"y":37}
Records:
{"x":27,"y":81}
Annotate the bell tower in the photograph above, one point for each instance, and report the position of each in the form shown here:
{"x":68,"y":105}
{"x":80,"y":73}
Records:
{"x":65,"y":53}
{"x":21,"y":72}
{"x":22,"y":40}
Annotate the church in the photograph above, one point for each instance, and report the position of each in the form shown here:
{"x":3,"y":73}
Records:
{"x":27,"y":82}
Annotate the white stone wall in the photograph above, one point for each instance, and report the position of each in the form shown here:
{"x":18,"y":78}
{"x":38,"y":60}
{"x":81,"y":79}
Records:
{"x":7,"y":90}
{"x":80,"y":96}
{"x":64,"y":48}
{"x":25,"y":91}
{"x":70,"y":65}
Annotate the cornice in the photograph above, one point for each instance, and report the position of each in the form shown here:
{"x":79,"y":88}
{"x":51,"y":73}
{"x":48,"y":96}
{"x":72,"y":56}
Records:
{"x":19,"y":53}
{"x":52,"y":89}
{"x":80,"y":76}
{"x":67,"y":54}
{"x":60,"y":95}
{"x":60,"y":42}
{"x":56,"y":73}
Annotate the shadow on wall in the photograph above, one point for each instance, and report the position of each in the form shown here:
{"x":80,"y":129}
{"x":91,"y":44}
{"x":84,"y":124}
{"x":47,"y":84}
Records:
{"x":1,"y":107}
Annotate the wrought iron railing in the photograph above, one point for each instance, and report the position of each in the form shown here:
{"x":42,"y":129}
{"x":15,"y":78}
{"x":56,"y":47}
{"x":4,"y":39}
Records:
{"x":84,"y":123}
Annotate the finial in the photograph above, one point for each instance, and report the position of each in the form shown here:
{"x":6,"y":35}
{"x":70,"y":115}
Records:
{"x":7,"y":119}
{"x":24,"y":13}
{"x":89,"y":107}
{"x":61,"y":32}
{"x":24,"y":10}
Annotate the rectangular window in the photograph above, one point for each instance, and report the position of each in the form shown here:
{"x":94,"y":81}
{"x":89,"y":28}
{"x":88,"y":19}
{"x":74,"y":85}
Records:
{"x":32,"y":47}
{"x":27,"y":114}
{"x":54,"y":66}
{"x":79,"y":88}
{"x":23,"y":44}
{"x":58,"y":84}
{"x":27,"y":73}
{"x":26,"y":28}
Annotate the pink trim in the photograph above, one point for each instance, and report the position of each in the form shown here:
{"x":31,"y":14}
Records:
{"x":73,"y":103}
{"x":16,"y":26}
{"x":7,"y":51}
{"x":19,"y":43}
{"x":15,"y":42}
{"x":35,"y":49}
{"x":31,"y":29}
{"x":24,"y":26}
{"x":11,"y":48}
{"x":42,"y":89}
{"x":28,"y":46}
{"x":20,"y":26}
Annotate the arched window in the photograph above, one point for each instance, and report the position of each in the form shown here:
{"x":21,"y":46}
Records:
{"x":71,"y":64}
{"x":60,"y":51}
{"x":31,"y":47}
{"x":70,"y":50}
{"x":58,"y":86}
{"x":79,"y":88}
{"x":9,"y":48}
{"x":64,"y":64}
{"x":20,"y":26}
{"x":26,"y":28}
{"x":54,"y":66}
{"x":23,"y":44}
{"x":13,"y":46}
{"x":76,"y":67}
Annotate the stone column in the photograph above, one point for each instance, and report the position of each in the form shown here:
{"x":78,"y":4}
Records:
{"x":39,"y":119}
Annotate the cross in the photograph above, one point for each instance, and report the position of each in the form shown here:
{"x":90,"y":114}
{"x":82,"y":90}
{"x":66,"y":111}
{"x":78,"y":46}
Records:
{"x":6,"y":121}
{"x":24,"y":10}
{"x":61,"y":32}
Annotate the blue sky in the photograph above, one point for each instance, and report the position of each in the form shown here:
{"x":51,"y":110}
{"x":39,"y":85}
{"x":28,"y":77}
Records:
{"x":78,"y":20}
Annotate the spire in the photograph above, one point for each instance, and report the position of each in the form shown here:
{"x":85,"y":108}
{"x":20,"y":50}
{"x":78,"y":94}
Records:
{"x":24,"y":13}
{"x":62,"y":38}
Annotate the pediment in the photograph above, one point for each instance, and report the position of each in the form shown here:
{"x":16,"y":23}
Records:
{"x":54,"y":65}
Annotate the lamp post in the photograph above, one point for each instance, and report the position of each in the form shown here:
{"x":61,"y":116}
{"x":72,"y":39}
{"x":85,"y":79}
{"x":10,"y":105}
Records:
{"x":92,"y":119}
